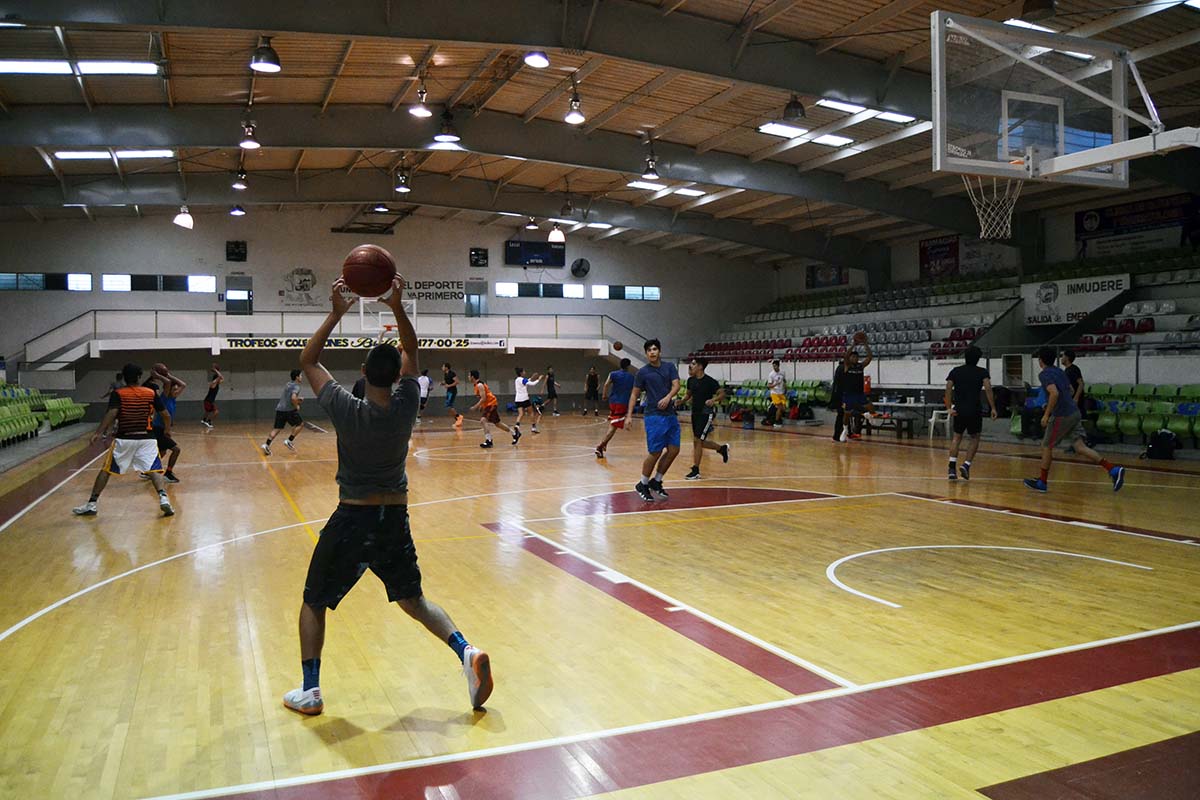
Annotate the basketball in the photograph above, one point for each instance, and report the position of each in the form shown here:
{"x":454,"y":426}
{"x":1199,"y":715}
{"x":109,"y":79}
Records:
{"x":617,"y":345}
{"x":160,"y":368}
{"x":369,"y":270}
{"x":860,"y":337}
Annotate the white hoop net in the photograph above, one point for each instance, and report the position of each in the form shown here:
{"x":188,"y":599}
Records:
{"x":994,"y":200}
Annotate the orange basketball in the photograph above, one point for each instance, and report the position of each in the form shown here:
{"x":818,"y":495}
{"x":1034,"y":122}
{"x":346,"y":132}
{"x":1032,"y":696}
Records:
{"x":860,"y":337}
{"x":160,"y":368}
{"x":369,"y":270}
{"x":617,"y":345}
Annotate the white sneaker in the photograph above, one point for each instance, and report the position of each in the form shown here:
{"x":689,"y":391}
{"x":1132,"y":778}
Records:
{"x":266,"y":448}
{"x":144,"y":476}
{"x":309,"y":702}
{"x":165,"y":505}
{"x":478,"y":669}
{"x":88,"y":509}
{"x":845,"y":436}
{"x":206,"y":424}
{"x":288,"y":444}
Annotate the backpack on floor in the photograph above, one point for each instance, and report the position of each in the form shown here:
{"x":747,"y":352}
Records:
{"x":1162,"y":446}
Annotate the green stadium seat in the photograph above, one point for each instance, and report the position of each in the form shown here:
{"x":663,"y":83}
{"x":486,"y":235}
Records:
{"x":1100,"y":391}
{"x":1183,"y":427}
{"x":1143,"y":390}
{"x":1121,"y":390}
{"x":1167,"y":391}
{"x":1106,"y":422}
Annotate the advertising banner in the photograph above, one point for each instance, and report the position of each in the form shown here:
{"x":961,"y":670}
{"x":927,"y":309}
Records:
{"x":938,"y":257}
{"x":358,"y":343}
{"x":1136,"y":227}
{"x":1065,"y":301}
{"x":823,"y":276}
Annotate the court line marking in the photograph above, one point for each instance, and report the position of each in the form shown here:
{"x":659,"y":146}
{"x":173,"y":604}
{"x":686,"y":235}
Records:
{"x":652,"y":510}
{"x":1076,"y":523}
{"x":831,"y":570}
{"x":58,"y":486}
{"x":711,"y":620}
{"x":283,"y":489}
{"x":471,"y":755}
{"x":588,"y":451}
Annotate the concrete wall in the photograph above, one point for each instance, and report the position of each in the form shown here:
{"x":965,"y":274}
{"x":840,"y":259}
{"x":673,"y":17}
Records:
{"x":701,"y":294}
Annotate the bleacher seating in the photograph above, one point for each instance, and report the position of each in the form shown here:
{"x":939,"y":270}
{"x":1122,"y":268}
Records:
{"x":23,"y":410}
{"x":1138,"y":410}
{"x":754,"y":395}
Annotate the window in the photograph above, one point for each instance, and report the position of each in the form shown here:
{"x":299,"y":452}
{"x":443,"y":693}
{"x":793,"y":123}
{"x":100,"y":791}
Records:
{"x":202,"y":283}
{"x":174,"y":283}
{"x":573,"y":291}
{"x":529,"y":290}
{"x":144,"y":283}
{"x":616,"y":292}
{"x":114,"y":283}
{"x":650,"y":293}
{"x":552,"y":290}
{"x":633,"y":293}
{"x":79,"y":282}
{"x":506,"y":289}
{"x":237,"y":294}
{"x":599,"y":291}
{"x":31,"y":281}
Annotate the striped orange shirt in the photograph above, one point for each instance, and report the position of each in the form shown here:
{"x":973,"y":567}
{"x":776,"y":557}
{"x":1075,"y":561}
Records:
{"x":135,"y":410}
{"x":489,"y":399}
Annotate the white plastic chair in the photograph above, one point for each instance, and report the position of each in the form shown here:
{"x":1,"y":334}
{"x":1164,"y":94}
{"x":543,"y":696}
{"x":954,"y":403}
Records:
{"x":939,"y":417}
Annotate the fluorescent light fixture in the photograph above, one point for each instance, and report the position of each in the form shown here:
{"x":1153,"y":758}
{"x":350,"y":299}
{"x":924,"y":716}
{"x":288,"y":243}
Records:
{"x":1034,"y":52}
{"x":537,"y":59}
{"x":556,"y":235}
{"x":264,"y":58}
{"x":18,"y":66}
{"x":601,"y":225}
{"x":237,"y":211}
{"x":239,"y":180}
{"x":833,"y":141}
{"x":81,"y":155}
{"x":657,"y":187}
{"x":79,"y":282}
{"x":691,"y":192}
{"x":779,"y":129}
{"x":849,"y":108}
{"x":202,"y":283}
{"x":118,"y":68}
{"x":599,"y":291}
{"x":509,"y":214}
{"x":183,"y":219}
{"x":574,"y":291}
{"x":11,"y":22}
{"x":115,"y":283}
{"x":506,"y":289}
{"x":237,"y":294}
{"x":890,"y":116}
{"x":145,"y":154}
{"x":561,"y":221}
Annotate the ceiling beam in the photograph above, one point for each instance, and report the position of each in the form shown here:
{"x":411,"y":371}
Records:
{"x":645,"y":90}
{"x":628,"y":30}
{"x":608,"y":234}
{"x":683,"y":241}
{"x":491,"y":133}
{"x":866,"y":23}
{"x":562,"y":87}
{"x":498,"y":83}
{"x":434,"y":190}
{"x":816,"y":133}
{"x":337,"y":73}
{"x":671,"y":5}
{"x":719,"y":99}
{"x":475,"y":75}
{"x":661,"y":193}
{"x":706,"y":199}
{"x":753,"y":205}
{"x":648,"y":237}
{"x":857,"y":148}
{"x":414,"y":74}
{"x":61,"y":38}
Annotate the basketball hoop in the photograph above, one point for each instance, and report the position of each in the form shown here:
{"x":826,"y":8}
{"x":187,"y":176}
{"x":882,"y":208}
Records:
{"x":993,"y":203}
{"x":388,"y":333}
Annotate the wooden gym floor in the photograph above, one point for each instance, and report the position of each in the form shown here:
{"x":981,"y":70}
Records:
{"x":811,"y":620}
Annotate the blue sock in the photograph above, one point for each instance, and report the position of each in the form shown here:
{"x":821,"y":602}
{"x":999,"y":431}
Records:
{"x":312,"y":673}
{"x":457,"y":643}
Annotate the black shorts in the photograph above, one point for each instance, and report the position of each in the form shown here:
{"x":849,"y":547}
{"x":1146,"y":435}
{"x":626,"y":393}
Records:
{"x":357,"y":538}
{"x":285,"y":418}
{"x":970,"y":424}
{"x":424,"y":400}
{"x":551,"y":394}
{"x":702,"y":425}
{"x":524,"y":403}
{"x":592,"y":394}
{"x":165,"y":442}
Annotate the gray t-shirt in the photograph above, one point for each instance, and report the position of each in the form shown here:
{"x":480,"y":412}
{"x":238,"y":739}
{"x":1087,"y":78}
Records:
{"x":285,"y":399}
{"x":372,"y":441}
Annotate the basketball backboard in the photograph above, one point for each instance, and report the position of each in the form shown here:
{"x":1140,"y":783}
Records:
{"x":1009,"y":97}
{"x":373,"y":315}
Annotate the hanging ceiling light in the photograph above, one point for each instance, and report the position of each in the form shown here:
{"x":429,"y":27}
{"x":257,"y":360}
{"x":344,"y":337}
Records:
{"x":556,"y":234}
{"x":248,"y":141}
{"x":239,"y":180}
{"x":380,"y":208}
{"x":264,"y":58}
{"x":531,"y":225}
{"x":237,"y":211}
{"x":447,"y":134}
{"x":537,"y":59}
{"x":184,"y":218}
{"x":794,"y":110}
{"x":650,"y":169}
{"x":568,"y":208}
{"x":419,"y":109}
{"x":574,"y":110}
{"x":403,"y":180}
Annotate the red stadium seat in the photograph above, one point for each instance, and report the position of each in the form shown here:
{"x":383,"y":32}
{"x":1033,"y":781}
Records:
{"x":1108,"y":326}
{"x":1127,"y":325}
{"x":1145,"y":325}
{"x":955,"y":335}
{"x":1086,"y":342}
{"x":1103,"y":340}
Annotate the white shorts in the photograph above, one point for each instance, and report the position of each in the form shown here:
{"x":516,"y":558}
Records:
{"x":132,"y":455}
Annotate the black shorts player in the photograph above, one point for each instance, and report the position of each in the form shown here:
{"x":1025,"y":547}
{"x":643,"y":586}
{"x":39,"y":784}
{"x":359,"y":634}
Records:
{"x":284,"y":419}
{"x":358,"y":538}
{"x":702,"y":424}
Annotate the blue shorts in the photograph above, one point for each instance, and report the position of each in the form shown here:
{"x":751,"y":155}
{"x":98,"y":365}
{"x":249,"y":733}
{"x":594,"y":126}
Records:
{"x":854,"y":400}
{"x":450,"y":395}
{"x":662,"y":431}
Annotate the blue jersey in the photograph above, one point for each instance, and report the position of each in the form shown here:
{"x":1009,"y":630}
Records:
{"x":622,"y":386}
{"x":1065,"y":406}
{"x":656,"y":382}
{"x":169,"y":405}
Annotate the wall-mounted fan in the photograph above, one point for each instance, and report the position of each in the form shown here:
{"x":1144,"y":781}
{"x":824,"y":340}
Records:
{"x":580,"y":267}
